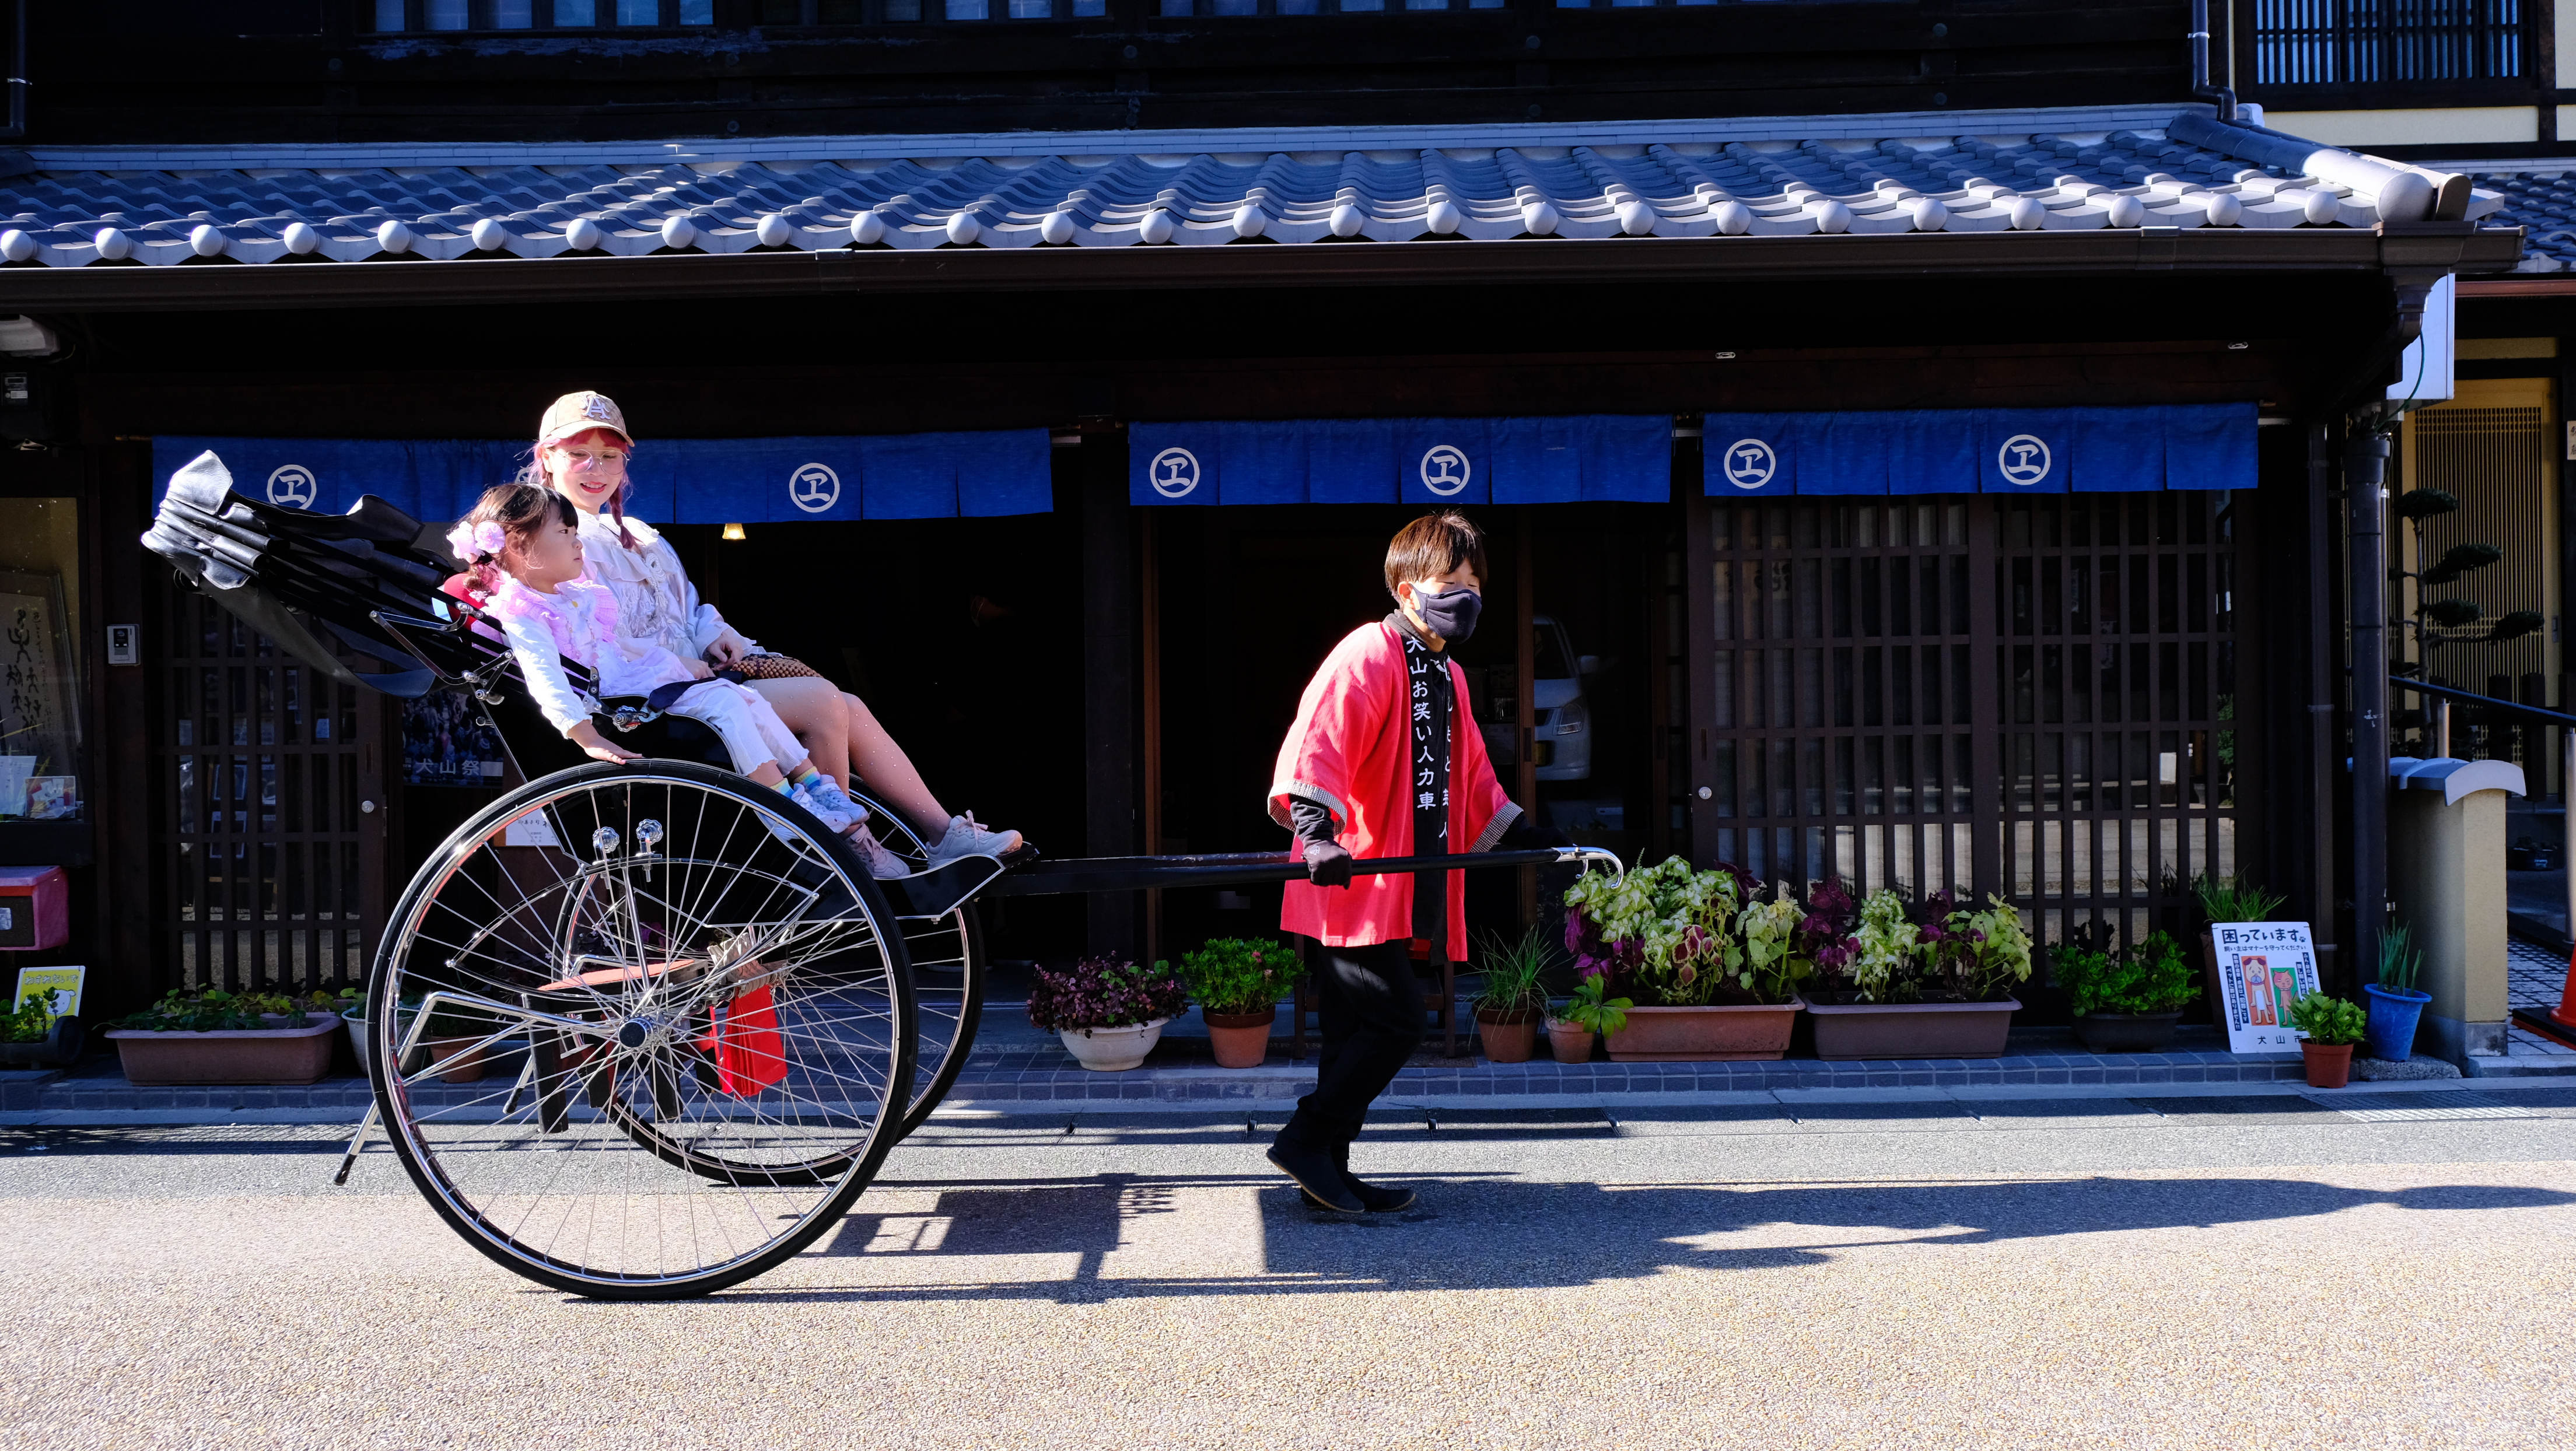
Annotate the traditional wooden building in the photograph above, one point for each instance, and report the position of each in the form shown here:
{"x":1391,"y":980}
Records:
{"x":1914,"y":436}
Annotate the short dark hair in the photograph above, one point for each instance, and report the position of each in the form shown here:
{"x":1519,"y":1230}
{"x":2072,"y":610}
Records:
{"x":1433,"y":546}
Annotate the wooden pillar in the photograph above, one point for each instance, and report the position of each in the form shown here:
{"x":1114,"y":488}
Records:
{"x":1150,"y":661}
{"x":1109,"y":681}
{"x":1525,"y":711}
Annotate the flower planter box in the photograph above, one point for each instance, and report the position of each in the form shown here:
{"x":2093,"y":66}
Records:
{"x":60,"y":1048}
{"x":253,"y":1055}
{"x":1912,"y":1030}
{"x":2329,"y":1065}
{"x":1112,"y":1050}
{"x":1715,"y":1034}
{"x":2127,"y":1032}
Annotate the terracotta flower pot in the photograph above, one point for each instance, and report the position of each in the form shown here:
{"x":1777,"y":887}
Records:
{"x":1241,"y":1040}
{"x":1912,"y":1030}
{"x":1713,"y":1034}
{"x":1569,"y":1043}
{"x":462,"y":1066}
{"x":252,"y":1055}
{"x":1509,"y":1037}
{"x":1112,"y":1050}
{"x":2329,"y":1064}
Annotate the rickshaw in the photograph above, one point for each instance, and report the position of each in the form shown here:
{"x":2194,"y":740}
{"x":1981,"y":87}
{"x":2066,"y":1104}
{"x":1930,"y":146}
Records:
{"x":710,"y":1022}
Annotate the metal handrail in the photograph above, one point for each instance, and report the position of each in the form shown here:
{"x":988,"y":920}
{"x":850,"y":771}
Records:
{"x":2537,"y":714}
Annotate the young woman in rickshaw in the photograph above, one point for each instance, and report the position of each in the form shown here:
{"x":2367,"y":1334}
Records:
{"x":581,"y":452}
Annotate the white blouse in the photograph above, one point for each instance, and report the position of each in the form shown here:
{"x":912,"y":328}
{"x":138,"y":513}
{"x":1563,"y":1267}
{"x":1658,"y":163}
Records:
{"x":655,"y":601}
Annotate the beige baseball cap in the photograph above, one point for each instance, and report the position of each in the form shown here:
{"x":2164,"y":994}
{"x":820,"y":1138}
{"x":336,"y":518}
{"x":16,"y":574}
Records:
{"x":578,"y":413}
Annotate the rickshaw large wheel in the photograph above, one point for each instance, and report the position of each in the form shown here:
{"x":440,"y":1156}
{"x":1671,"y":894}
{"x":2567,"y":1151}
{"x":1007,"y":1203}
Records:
{"x":586,"y":934}
{"x":948,"y":968}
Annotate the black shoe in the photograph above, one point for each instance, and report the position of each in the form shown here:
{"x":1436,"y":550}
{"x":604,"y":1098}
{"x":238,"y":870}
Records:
{"x":1373,"y":1198}
{"x":1317,"y":1174}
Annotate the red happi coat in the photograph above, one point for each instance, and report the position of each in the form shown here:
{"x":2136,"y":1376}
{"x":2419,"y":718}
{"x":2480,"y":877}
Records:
{"x":1350,"y":752}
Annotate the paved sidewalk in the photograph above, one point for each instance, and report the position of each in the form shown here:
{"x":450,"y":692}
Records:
{"x":1015,"y":1068}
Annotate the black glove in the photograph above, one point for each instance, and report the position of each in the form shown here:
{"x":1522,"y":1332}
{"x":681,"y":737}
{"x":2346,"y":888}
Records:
{"x":1526,"y":834}
{"x":1327,"y":864}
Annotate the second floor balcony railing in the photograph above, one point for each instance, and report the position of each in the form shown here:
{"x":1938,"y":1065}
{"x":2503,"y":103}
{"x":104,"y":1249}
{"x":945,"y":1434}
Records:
{"x":2388,"y":42}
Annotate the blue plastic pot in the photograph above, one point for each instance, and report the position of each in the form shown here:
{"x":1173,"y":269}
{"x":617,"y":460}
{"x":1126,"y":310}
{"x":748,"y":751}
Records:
{"x":2394,"y":1011}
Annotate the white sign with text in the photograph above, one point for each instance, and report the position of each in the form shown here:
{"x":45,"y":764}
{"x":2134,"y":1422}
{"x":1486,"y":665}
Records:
{"x":2263,"y":967}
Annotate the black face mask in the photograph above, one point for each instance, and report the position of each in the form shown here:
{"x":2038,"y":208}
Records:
{"x":1450,"y":614}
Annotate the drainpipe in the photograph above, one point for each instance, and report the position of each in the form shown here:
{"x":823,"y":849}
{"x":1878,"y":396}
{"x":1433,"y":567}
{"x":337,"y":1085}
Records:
{"x":2365,"y":478}
{"x":2201,"y":90}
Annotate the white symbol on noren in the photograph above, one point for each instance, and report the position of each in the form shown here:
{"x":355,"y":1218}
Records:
{"x":1173,"y":473}
{"x":2023,"y":459}
{"x":293,"y":486}
{"x":1445,"y":469}
{"x":1750,"y":463}
{"x":813,"y":487}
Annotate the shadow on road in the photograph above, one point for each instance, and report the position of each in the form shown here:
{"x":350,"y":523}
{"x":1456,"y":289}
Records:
{"x":1509,"y":1233}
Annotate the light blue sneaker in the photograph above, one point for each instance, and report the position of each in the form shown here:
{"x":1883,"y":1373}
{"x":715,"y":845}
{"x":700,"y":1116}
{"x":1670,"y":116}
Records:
{"x":834,"y":821}
{"x":966,"y":837}
{"x":829,"y":792}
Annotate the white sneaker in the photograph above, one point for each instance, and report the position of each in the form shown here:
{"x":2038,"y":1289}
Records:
{"x":829,"y":792}
{"x":883,"y":864}
{"x":966,"y":837}
{"x":833,"y":821}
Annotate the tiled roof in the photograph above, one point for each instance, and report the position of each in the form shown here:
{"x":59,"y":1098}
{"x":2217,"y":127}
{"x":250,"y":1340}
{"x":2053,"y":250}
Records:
{"x":1667,"y":180}
{"x":2543,"y":204}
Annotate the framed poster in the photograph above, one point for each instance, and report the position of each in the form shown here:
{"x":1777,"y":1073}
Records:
{"x":445,"y":742}
{"x":2263,"y":967}
{"x":39,"y":719}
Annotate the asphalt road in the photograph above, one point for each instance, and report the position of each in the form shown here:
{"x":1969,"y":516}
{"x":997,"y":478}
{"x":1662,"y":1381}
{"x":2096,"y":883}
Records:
{"x":2255,"y":1271}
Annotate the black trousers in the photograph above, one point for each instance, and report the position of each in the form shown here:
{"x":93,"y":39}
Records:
{"x":1370,"y":1006}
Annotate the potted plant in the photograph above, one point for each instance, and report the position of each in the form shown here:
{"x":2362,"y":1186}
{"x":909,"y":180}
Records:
{"x":1590,"y":1011}
{"x":2227,"y":899}
{"x":1670,"y":936}
{"x":36,"y":1037}
{"x":1237,"y":983}
{"x":2125,"y":1001}
{"x":2396,"y":1005}
{"x":210,"y":1036}
{"x":2331,"y":1026}
{"x":457,"y":1040}
{"x":1937,"y":988}
{"x":1513,"y":999}
{"x":1109,"y":1011}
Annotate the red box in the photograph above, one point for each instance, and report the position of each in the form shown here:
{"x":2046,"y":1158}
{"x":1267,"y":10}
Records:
{"x":35,"y":908}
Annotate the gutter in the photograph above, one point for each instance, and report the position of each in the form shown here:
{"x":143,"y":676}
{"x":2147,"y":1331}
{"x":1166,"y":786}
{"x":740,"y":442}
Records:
{"x":2390,"y":247}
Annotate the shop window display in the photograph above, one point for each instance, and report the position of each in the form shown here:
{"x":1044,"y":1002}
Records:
{"x":39,"y":679}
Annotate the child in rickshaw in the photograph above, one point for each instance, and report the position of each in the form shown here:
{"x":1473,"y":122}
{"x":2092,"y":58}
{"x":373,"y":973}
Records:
{"x":522,"y":549}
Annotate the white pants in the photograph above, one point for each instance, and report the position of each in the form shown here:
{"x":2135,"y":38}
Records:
{"x":750,"y":726}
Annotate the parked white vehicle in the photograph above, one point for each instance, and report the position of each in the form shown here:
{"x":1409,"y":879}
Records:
{"x":1562,"y":717}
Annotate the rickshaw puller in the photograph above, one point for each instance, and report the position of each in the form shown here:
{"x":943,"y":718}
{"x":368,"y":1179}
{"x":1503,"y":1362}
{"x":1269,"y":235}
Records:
{"x":1384,"y":760}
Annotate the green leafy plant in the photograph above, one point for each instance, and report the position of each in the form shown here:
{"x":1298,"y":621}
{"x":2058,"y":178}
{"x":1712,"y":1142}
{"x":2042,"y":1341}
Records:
{"x":1975,"y":955}
{"x":2401,"y":962}
{"x":2328,"y":1021}
{"x":1593,"y":1008}
{"x":1885,"y":962}
{"x":1666,"y":930}
{"x":201,"y":1010}
{"x":2152,"y":977}
{"x":1240,"y":974}
{"x":1514,"y":968}
{"x":2233,"y":899}
{"x":33,"y":1021}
